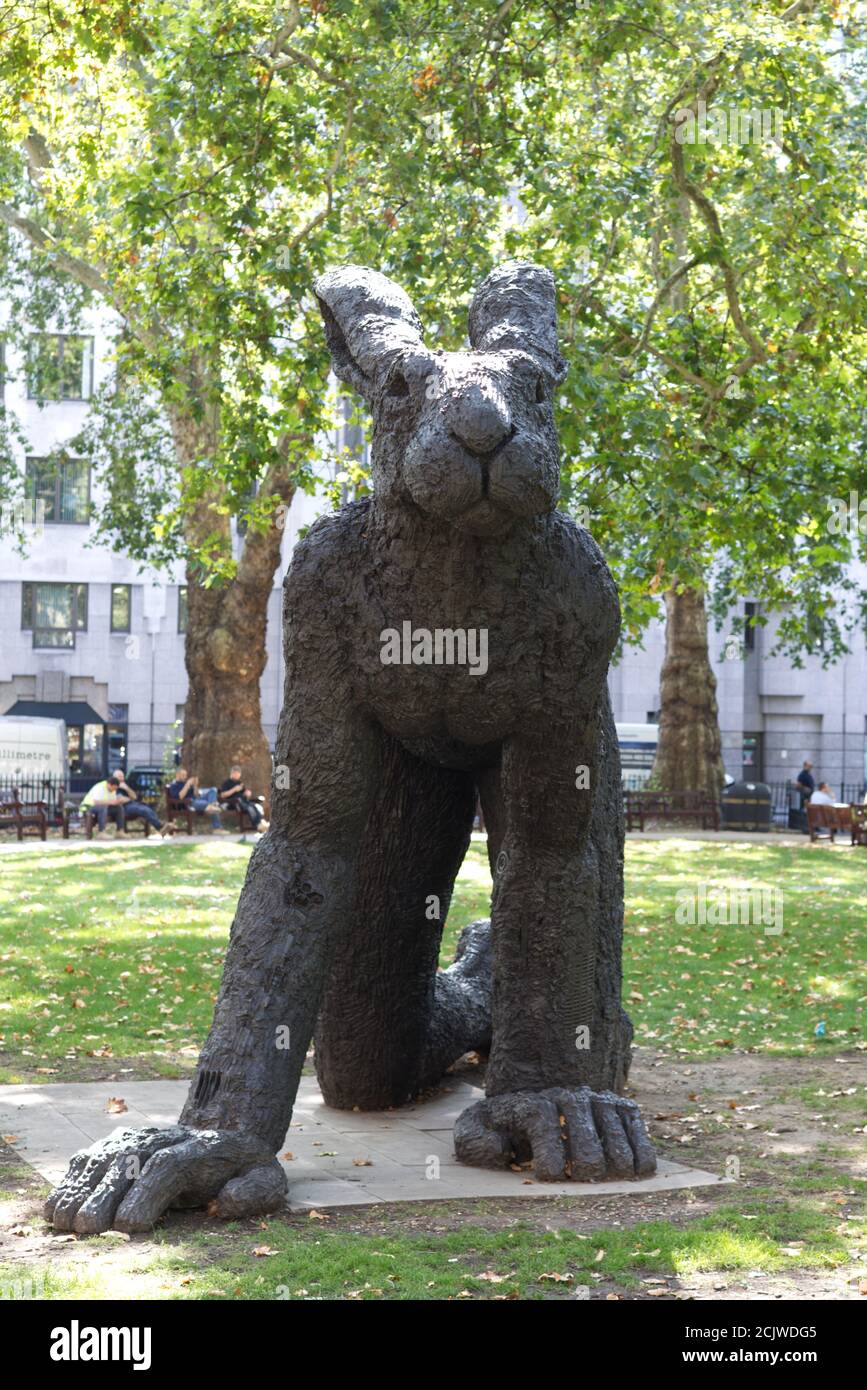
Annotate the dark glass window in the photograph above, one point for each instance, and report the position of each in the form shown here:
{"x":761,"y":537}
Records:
{"x":120,"y":607}
{"x":54,"y":613}
{"x":59,"y":367}
{"x":85,"y":746}
{"x":62,"y":485}
{"x":749,"y":629}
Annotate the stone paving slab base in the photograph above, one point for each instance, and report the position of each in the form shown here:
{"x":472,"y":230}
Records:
{"x":340,"y":1158}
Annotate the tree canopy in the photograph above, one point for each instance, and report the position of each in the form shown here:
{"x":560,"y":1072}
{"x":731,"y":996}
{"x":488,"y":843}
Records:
{"x":695,"y":179}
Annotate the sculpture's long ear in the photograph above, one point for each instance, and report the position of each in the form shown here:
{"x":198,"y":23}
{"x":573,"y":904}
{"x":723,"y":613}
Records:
{"x":515,"y":307}
{"x":369,"y":323}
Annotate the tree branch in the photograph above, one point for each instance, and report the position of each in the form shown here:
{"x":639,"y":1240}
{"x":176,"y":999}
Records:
{"x":709,"y":216}
{"x":333,"y":169}
{"x":151,"y":336}
{"x":85,"y":274}
{"x":662,"y":294}
{"x":288,"y":29}
{"x":295,"y":56}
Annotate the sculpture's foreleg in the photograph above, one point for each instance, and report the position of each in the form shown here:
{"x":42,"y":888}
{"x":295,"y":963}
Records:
{"x":558,"y":1024}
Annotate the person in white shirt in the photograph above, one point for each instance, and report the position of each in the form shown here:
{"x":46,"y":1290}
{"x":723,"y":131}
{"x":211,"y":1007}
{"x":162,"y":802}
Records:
{"x":823,"y":796}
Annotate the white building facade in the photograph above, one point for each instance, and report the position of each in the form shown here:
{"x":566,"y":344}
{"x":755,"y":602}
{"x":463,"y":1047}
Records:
{"x":85,"y":634}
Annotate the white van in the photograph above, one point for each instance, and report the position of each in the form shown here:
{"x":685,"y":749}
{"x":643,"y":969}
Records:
{"x":32,"y":747}
{"x":637,"y":744}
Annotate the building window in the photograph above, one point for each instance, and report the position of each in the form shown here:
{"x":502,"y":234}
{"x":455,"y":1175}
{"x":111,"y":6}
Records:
{"x":749,"y":629}
{"x":59,"y":367}
{"x":54,"y":613}
{"x":116,"y":736}
{"x":63,"y":486}
{"x":183,"y":610}
{"x":121,"y":605}
{"x":85,"y":745}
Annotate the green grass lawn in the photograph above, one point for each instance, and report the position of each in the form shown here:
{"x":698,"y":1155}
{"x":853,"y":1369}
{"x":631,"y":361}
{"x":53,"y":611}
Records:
{"x":116,"y":954}
{"x":701,"y":987}
{"x":284,"y":1262}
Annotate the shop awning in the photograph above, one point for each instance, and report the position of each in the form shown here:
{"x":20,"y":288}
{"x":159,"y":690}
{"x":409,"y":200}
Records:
{"x":70,"y":711}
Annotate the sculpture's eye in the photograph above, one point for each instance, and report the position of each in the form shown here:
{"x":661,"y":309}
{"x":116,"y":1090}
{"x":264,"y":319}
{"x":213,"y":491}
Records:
{"x":397,"y":387}
{"x":541,"y":390}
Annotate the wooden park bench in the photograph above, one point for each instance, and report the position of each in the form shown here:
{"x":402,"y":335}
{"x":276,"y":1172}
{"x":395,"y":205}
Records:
{"x":830,"y":818}
{"x":24,"y":815}
{"x":641,"y":806}
{"x":71,"y":814}
{"x":859,"y":824}
{"x":180,"y":811}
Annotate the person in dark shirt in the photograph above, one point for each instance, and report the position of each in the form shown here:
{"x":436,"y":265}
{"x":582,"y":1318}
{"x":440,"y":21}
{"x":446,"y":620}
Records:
{"x":806,"y":785}
{"x":806,"y":782}
{"x":237,"y":797}
{"x":185,"y":789}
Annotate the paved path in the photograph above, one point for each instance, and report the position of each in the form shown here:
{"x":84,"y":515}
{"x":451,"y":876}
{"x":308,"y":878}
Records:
{"x":408,"y":1154}
{"x":32,"y":844}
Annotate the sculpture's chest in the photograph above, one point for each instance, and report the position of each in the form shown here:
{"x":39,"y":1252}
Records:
{"x":466,"y":662}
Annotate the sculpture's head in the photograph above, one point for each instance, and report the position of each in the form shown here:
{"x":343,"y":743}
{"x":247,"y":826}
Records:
{"x":467,"y":437}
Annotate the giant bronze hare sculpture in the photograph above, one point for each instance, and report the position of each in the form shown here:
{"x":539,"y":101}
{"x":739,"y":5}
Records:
{"x":336,"y":933}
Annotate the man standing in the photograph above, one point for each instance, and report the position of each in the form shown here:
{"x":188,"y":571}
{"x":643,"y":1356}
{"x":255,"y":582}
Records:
{"x":131,"y":806}
{"x":234,"y":795}
{"x":806,"y":784}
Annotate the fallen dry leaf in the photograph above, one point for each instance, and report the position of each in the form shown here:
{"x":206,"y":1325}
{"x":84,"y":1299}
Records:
{"x":116,"y":1105}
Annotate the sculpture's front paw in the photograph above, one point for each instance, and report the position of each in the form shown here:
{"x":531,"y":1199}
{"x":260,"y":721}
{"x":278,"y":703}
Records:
{"x":584,"y":1135}
{"x":131,"y":1178}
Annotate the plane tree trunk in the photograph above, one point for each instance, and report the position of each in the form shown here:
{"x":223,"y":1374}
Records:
{"x":225,"y":648}
{"x":689,"y":751}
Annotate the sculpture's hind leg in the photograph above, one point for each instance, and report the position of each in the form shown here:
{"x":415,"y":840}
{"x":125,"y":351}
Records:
{"x":389,"y":1024}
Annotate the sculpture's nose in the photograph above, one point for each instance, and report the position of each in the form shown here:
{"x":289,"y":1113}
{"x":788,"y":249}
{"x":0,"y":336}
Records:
{"x":479,"y":417}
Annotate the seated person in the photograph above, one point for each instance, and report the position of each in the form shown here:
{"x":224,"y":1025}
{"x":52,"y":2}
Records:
{"x":185,"y":790}
{"x":237,"y":797}
{"x":823,"y":796}
{"x":131,"y":806}
{"x":101,"y":800}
